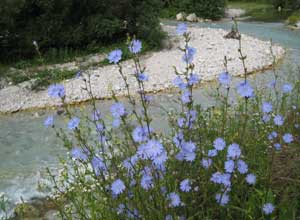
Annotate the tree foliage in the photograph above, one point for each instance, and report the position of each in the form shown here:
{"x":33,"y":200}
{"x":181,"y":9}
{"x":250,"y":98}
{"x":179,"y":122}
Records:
{"x":74,"y":23}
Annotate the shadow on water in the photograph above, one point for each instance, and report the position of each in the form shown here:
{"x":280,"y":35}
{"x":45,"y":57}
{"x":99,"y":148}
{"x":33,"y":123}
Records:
{"x":27,"y":148}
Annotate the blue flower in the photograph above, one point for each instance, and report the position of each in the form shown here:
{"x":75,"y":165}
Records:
{"x":117,"y":187}
{"x":187,"y":156}
{"x":188,"y":146}
{"x":174,"y":199}
{"x":49,"y":122}
{"x":189,"y":55}
{"x":73,"y":123}
{"x":251,"y":179}
{"x":100,"y":127}
{"x":219,"y":144}
{"x":142,"y":77}
{"x":98,"y":165}
{"x":212,"y":153}
{"x":130,"y":162}
{"x":267,"y":107}
{"x":121,"y":209}
{"x":180,"y":122}
{"x":178,"y":139}
{"x":185,"y":185}
{"x":96,"y":115}
{"x":206,"y":162}
{"x":187,"y":151}
{"x":225,"y":79}
{"x":186,"y":97}
{"x":116,"y":123}
{"x":287,"y":88}
{"x":140,"y":134}
{"x":288,"y":138}
{"x":117,"y":110}
{"x":272,"y":135}
{"x":221,"y":178}
{"x":245,"y":90}
{"x":56,"y":91}
{"x":115,"y":56}
{"x":266,"y":118}
{"x":181,"y":29}
{"x":222,"y":199}
{"x":150,"y":150}
{"x":169,"y":217}
{"x":135,"y":46}
{"x":79,"y":154}
{"x":179,"y":83}
{"x":242,"y":167}
{"x":233,"y":151}
{"x":268,"y":208}
{"x":272,"y":84}
{"x":278,"y":120}
{"x":160,"y":160}
{"x":147,"y":182}
{"x":277,"y":146}
{"x":193,"y":79}
{"x":229,"y":166}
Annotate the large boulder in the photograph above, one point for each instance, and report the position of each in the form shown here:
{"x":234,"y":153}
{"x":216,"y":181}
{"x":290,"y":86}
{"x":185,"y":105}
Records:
{"x":180,"y":16}
{"x":192,"y":18}
{"x":298,"y":24}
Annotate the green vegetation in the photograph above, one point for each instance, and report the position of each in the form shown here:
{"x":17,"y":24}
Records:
{"x":261,"y":11}
{"x":75,"y":25}
{"x":212,"y":9}
{"x":239,"y":159}
{"x":294,"y":18}
{"x":29,"y":69}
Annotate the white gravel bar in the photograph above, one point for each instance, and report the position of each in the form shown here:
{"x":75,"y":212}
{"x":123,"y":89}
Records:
{"x":211,"y":48}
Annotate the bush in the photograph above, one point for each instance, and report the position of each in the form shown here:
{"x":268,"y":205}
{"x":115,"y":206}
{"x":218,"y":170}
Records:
{"x":212,"y":9}
{"x":74,"y":24}
{"x":224,"y":162}
{"x":288,"y":4}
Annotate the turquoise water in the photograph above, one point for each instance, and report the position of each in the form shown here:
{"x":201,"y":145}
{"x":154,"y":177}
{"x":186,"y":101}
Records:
{"x":27,"y":148}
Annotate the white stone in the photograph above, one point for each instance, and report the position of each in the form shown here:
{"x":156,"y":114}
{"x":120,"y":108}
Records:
{"x":298,"y":24}
{"x":180,"y":16}
{"x":192,"y":18}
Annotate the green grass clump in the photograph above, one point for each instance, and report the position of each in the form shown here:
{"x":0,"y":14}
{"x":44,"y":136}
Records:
{"x":294,"y":18}
{"x":261,"y":11}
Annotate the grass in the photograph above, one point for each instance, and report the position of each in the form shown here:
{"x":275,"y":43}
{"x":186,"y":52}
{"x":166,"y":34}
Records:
{"x":24,"y":70}
{"x":294,"y":18}
{"x":261,"y":11}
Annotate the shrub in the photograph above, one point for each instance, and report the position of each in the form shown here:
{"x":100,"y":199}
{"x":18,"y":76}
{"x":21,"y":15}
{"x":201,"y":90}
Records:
{"x":212,"y":9}
{"x":288,"y":4}
{"x":74,"y":24}
{"x":220,"y":162}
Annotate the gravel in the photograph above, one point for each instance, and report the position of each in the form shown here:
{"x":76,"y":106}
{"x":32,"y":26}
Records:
{"x":211,"y":49}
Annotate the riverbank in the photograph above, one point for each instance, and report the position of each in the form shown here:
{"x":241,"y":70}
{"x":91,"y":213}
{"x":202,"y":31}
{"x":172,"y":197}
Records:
{"x":211,"y":48}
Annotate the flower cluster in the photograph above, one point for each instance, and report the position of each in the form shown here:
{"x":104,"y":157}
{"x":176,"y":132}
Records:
{"x":134,"y":171}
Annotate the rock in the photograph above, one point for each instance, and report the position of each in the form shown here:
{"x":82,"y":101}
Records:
{"x":192,"y":18}
{"x":234,"y":12}
{"x":180,"y":16}
{"x":298,"y":24}
{"x":233,"y":35}
{"x":207,"y":20}
{"x":200,"y":20}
